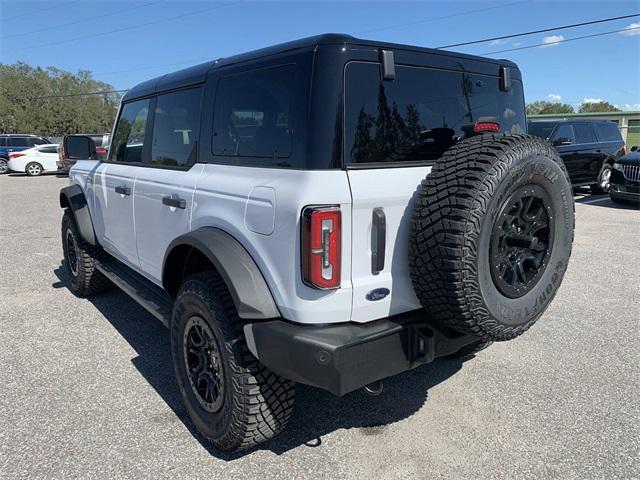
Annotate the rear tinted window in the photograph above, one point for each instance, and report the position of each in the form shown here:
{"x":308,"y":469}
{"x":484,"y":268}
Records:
{"x":584,"y":133}
{"x":20,"y":142}
{"x":176,"y":124}
{"x":50,"y":149}
{"x":421,"y":113}
{"x":607,"y":132}
{"x":542,"y":130}
{"x":253,"y":122}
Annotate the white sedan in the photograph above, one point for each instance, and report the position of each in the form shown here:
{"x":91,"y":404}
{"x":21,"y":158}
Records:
{"x":34,"y":161}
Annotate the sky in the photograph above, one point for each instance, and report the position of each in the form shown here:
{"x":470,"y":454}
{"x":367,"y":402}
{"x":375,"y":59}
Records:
{"x":125,"y":42}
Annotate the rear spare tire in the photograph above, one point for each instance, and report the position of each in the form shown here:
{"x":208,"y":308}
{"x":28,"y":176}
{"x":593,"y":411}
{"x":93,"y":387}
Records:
{"x":491,"y":235}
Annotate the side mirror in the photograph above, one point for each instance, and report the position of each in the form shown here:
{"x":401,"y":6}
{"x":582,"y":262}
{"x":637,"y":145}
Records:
{"x":562,"y":141}
{"x":80,"y":147}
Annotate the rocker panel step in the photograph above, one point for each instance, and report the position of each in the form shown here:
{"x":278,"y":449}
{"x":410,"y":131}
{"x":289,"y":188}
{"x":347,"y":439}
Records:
{"x":146,"y":293}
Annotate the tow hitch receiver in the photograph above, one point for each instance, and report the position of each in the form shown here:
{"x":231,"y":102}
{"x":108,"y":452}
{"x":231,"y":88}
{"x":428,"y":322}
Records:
{"x":346,"y":357}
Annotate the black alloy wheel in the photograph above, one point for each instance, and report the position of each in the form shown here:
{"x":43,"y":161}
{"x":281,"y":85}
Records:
{"x":522,"y":240}
{"x":204,"y":365}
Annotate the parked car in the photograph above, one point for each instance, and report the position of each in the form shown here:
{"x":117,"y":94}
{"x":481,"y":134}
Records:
{"x":101,"y":141}
{"x":311,"y":213}
{"x":588,"y":148}
{"x":625,"y":179}
{"x":15,"y":143}
{"x":34,"y":161}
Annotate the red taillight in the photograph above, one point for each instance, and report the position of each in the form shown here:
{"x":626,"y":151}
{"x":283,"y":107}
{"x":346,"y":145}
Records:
{"x":321,"y":239}
{"x":16,"y":155}
{"x":486,"y":127}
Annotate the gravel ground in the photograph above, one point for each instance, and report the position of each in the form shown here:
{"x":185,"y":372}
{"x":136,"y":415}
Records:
{"x":88,"y":390}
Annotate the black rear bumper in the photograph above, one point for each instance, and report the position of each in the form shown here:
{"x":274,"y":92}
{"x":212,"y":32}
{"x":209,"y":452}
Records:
{"x":344,"y":357}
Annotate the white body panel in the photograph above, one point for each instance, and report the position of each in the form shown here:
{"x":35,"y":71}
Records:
{"x":113,"y":214}
{"x":46,"y":160}
{"x":233,"y":198}
{"x":156,"y":224}
{"x":394,"y":191}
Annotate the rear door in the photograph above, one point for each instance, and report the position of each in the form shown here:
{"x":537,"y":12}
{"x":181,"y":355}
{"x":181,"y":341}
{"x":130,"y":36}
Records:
{"x":393,"y":133}
{"x":165,"y":185}
{"x":590,"y":155}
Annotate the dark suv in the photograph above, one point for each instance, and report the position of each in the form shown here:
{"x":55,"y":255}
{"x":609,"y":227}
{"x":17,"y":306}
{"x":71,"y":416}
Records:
{"x":14,"y":143}
{"x":588,"y":147}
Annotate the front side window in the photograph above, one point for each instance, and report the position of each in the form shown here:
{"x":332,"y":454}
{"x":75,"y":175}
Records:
{"x":128,"y":141}
{"x":421,"y":113}
{"x":176,"y":124}
{"x":253,"y":118}
{"x":40,"y":141}
{"x":584,"y":133}
{"x":542,"y":130}
{"x":564,"y":131}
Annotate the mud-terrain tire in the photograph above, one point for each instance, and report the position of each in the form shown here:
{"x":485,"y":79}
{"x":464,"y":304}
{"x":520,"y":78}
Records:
{"x":481,"y":259}
{"x":79,"y":260}
{"x":232,"y":399}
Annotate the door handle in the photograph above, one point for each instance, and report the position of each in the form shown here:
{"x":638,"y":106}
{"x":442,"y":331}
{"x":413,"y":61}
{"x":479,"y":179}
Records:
{"x":378,"y":240}
{"x":176,"y":202}
{"x":122,"y":190}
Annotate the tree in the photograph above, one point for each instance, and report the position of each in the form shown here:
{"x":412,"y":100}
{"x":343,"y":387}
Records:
{"x":65,"y":110}
{"x":601,"y":106}
{"x":541,"y":107}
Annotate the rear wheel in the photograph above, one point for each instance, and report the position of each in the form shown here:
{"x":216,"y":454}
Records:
{"x":4,"y":165}
{"x":491,"y":235}
{"x":33,"y":169}
{"x":604,"y":180}
{"x":232,"y":399}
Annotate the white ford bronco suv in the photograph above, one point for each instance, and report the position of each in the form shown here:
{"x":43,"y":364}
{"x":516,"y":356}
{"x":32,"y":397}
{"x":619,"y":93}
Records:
{"x":330,"y":211}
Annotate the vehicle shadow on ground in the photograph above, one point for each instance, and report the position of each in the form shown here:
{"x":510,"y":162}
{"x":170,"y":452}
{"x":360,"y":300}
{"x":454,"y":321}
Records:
{"x":316,"y":412}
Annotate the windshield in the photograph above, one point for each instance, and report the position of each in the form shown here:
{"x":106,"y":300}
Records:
{"x":542,"y":130}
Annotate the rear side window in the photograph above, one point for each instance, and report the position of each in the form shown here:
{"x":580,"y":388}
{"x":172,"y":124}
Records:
{"x":421,"y":113}
{"x":48,"y":149}
{"x":19,"y":142}
{"x":564,"y":130}
{"x":253,"y":122}
{"x":128,"y":141}
{"x":176,"y":124}
{"x":584,"y":133}
{"x":607,"y":132}
{"x":3,"y":141}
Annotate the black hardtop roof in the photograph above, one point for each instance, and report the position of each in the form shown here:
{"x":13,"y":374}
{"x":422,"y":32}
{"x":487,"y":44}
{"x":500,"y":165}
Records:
{"x":197,"y":73}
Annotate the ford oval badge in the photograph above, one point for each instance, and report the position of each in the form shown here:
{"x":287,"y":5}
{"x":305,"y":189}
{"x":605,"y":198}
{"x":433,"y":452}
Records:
{"x":377,"y":294}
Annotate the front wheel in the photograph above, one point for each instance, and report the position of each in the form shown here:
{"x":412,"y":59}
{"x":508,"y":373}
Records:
{"x":232,"y":399}
{"x":4,"y":166}
{"x":33,"y":169}
{"x":79,"y":260}
{"x":604,"y":180}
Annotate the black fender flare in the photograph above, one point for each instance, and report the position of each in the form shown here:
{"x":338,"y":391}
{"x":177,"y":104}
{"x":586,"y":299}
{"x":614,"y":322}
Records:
{"x":246,"y":284}
{"x":72,"y":197}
